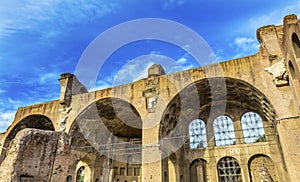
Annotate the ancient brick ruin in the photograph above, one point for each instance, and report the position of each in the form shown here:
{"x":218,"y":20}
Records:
{"x":232,"y":121}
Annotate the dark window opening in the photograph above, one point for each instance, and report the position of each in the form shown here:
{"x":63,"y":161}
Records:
{"x":296,"y":45}
{"x":69,"y":178}
{"x":292,"y":70}
{"x":80,"y":174}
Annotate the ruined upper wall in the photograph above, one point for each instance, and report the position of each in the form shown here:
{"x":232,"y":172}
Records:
{"x":291,"y":46}
{"x":270,"y":39}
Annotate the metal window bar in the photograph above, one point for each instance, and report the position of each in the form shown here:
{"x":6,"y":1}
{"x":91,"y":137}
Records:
{"x":224,"y":131}
{"x":253,"y":129}
{"x":197,"y":134}
{"x":229,"y":170}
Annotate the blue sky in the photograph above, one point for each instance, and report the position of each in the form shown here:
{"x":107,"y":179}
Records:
{"x":39,"y":40}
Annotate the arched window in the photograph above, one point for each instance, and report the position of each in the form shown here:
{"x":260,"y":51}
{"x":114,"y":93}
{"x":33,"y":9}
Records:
{"x":253,"y":129}
{"x":197,"y":132}
{"x":261,"y":168}
{"x":198,"y":171}
{"x":224,"y":131}
{"x":171,"y":168}
{"x":129,"y":166}
{"x":296,"y":45}
{"x":80,"y":174}
{"x":229,"y":170}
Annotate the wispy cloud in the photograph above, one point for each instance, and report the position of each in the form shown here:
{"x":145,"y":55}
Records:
{"x":49,"y":78}
{"x":246,"y":43}
{"x":272,"y":18}
{"x":6,"y":118}
{"x":102,"y":84}
{"x":132,"y":71}
{"x":245,"y":46}
{"x":31,"y":14}
{"x":8,"y":108}
{"x":182,"y":60}
{"x":20,"y":91}
{"x":137,"y":69}
{"x":183,"y":63}
{"x":171,"y":4}
{"x":2,"y":91}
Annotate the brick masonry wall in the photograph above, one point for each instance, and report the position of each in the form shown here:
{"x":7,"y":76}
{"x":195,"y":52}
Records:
{"x":37,"y":155}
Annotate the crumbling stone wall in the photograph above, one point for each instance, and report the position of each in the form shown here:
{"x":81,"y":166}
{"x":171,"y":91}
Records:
{"x":36,"y":155}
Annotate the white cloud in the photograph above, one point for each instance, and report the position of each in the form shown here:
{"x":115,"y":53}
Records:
{"x":182,"y":60}
{"x":246,"y":44}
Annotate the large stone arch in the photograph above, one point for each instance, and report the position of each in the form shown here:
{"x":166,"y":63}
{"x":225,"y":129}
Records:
{"x":120,"y":118}
{"x":199,"y":101}
{"x":110,"y":129}
{"x":36,"y":121}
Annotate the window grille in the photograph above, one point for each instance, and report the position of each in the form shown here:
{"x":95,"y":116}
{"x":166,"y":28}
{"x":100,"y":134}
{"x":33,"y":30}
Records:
{"x":224,"y":131}
{"x":253,"y":129}
{"x":229,"y":170}
{"x":197,"y":132}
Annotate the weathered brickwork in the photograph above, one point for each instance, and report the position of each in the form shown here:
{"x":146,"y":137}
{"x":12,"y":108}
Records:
{"x":36,"y":155}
